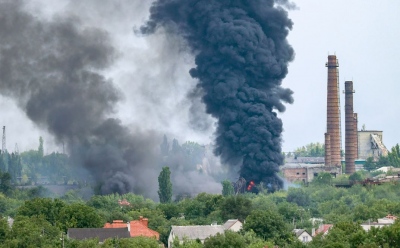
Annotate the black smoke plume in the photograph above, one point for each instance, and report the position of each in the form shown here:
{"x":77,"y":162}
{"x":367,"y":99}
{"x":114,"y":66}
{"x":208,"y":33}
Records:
{"x":52,"y":68}
{"x":241,"y":55}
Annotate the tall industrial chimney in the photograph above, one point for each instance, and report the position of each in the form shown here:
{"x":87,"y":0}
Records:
{"x":328,"y":159}
{"x":333,"y":111}
{"x":356,"y":133}
{"x":350,"y":142}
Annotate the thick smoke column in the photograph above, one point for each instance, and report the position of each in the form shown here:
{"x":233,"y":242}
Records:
{"x":51,"y":68}
{"x":242,"y":55}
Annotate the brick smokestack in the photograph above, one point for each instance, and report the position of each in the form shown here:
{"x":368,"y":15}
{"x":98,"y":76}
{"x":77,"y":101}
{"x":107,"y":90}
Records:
{"x":333,"y":111}
{"x":350,"y":142}
{"x":327,"y":149}
{"x":356,"y":133}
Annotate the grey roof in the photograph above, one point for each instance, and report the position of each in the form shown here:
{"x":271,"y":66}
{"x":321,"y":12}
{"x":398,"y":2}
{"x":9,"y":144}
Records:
{"x":196,"y":232}
{"x":298,"y":232}
{"x":229,"y":223}
{"x":306,"y":160}
{"x":100,"y":233}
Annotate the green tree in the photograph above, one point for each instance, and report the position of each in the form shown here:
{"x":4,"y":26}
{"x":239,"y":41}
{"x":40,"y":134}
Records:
{"x":269,"y":225}
{"x":15,"y":167}
{"x":299,"y":196}
{"x":370,"y":164}
{"x":227,"y":188}
{"x":47,"y":208}
{"x":235,"y":207}
{"x":323,"y":178}
{"x":228,"y":239}
{"x":3,"y":167}
{"x":5,"y":183}
{"x":4,"y":229}
{"x":78,"y":215}
{"x":142,"y":242}
{"x":32,"y":232}
{"x":311,"y":150}
{"x":165,"y":185}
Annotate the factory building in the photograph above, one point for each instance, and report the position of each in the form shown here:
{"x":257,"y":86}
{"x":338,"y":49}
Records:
{"x":370,"y":144}
{"x":359,"y":145}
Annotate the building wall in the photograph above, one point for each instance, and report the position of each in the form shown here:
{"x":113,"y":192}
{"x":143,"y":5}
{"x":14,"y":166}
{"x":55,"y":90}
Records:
{"x":364,"y":144}
{"x":236,"y":227}
{"x":306,"y":173}
{"x":295,"y":174}
{"x":305,"y":237}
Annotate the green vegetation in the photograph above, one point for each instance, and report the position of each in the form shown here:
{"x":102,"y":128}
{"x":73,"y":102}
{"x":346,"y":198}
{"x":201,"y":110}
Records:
{"x":165,"y":185}
{"x":268,"y":218}
{"x":310,"y":150}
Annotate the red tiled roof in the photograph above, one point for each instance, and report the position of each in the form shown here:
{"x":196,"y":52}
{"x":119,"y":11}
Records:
{"x":323,"y":228}
{"x":116,"y":224}
{"x":138,"y":229}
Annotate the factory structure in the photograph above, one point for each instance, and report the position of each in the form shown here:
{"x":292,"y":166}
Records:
{"x":359,"y":144}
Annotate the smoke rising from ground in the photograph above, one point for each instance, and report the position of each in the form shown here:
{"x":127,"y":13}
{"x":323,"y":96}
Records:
{"x":242,"y":55}
{"x":59,"y":68}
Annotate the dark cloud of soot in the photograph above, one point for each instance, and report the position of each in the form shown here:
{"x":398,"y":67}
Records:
{"x":52,"y":70}
{"x":241,"y":55}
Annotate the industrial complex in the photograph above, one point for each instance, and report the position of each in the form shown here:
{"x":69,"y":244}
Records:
{"x":359,"y":144}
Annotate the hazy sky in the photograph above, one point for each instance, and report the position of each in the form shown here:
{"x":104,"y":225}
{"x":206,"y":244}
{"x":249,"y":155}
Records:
{"x":363,"y":34}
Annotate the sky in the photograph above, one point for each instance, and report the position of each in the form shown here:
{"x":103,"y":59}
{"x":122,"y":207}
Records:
{"x":152,"y":73}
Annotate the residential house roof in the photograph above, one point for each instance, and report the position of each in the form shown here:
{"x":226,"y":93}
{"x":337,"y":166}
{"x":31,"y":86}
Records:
{"x":136,"y":227}
{"x":116,"y":224}
{"x":100,"y":233}
{"x":229,"y":223}
{"x":324,"y":228}
{"x":298,"y":232}
{"x":197,"y":232}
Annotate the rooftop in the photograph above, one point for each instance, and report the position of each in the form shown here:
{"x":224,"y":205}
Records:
{"x":100,"y":233}
{"x":196,"y":232}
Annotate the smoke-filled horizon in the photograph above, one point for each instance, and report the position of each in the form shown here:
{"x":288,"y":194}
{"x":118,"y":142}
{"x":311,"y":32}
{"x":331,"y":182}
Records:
{"x":56,"y":69}
{"x":241,"y":56}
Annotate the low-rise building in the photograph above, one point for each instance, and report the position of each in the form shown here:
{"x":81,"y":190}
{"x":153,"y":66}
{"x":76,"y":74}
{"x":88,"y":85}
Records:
{"x":100,"y":233}
{"x":199,"y":233}
{"x":233,"y":225}
{"x":300,"y":172}
{"x":382,"y":222}
{"x":135,"y":227}
{"x":302,"y":235}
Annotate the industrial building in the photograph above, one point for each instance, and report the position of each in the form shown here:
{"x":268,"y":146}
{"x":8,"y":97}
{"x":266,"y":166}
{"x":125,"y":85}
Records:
{"x":359,"y":145}
{"x":370,"y":144}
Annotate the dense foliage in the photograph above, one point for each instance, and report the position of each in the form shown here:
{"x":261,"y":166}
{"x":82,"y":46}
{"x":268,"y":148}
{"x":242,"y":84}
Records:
{"x":309,"y":150}
{"x":269,"y":218}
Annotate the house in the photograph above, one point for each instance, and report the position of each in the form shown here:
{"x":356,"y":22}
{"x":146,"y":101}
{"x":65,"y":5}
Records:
{"x":193,"y":233}
{"x":101,"y":233}
{"x":233,"y":225}
{"x":302,"y":235}
{"x":382,"y":222}
{"x":135,"y":227}
{"x":323,"y":229}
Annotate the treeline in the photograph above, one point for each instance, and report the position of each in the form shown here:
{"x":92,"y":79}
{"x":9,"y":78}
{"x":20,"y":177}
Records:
{"x":33,"y":167}
{"x":392,"y":159}
{"x":269,"y":217}
{"x":309,"y":150}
